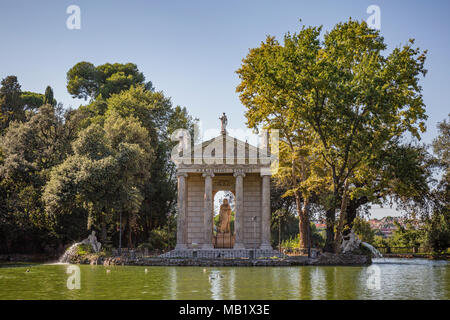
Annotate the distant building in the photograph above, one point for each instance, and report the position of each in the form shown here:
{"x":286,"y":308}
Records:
{"x":386,"y":226}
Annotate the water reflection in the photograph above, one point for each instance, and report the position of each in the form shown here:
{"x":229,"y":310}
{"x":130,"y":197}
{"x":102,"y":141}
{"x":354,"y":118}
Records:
{"x":232,"y":283}
{"x":173,"y":284}
{"x":399,"y":279}
{"x":215,"y":280}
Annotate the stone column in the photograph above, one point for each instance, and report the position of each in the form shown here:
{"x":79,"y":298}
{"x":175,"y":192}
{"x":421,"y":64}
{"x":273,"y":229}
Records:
{"x":181,"y":220}
{"x":239,"y":217}
{"x":265,"y":219}
{"x":208,"y":211}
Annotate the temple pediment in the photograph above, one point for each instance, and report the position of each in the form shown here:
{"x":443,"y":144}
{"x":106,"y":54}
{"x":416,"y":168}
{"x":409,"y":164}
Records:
{"x":223,"y":154}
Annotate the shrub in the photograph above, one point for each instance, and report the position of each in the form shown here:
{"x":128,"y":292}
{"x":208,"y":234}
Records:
{"x":160,"y":239}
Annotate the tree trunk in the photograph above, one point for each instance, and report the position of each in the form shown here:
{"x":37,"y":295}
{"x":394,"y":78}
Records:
{"x":130,"y":240}
{"x":279,"y":233}
{"x":329,"y":241}
{"x":342,"y":217}
{"x":352,"y":207}
{"x":303,"y":214}
{"x":103,"y":233}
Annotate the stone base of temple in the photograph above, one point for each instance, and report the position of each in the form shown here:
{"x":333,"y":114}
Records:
{"x":223,"y":254}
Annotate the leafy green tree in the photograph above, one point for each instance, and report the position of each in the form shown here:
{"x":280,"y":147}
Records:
{"x":48,"y":96}
{"x":84,"y":80}
{"x":105,"y":175}
{"x":317,"y":239}
{"x":14,"y":103}
{"x":437,"y":228}
{"x":397,"y":172}
{"x":30,"y":149}
{"x":156,"y":113}
{"x":407,"y":236}
{"x":441,"y":147}
{"x":11,"y":106}
{"x":284,"y":226}
{"x":32,"y":100}
{"x":380,"y":242}
{"x":441,"y":144}
{"x":363,"y":230}
{"x":343,"y":90}
{"x":437,"y":232}
{"x":62,"y":171}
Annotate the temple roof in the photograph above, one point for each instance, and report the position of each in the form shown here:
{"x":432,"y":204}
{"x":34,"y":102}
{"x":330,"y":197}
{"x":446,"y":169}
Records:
{"x":225,"y":151}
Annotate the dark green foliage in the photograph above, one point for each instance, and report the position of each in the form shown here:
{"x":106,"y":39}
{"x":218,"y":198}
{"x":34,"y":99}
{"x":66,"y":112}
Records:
{"x":11,"y":106}
{"x":363,"y":230}
{"x":48,"y":97}
{"x":317,"y":238}
{"x":30,"y":149}
{"x":62,"y":172}
{"x":84,"y":80}
{"x":437,"y":232}
{"x":14,"y":103}
{"x":32,"y":100}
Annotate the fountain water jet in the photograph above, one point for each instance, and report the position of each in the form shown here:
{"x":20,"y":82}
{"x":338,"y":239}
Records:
{"x":375,"y":252}
{"x":351,"y":242}
{"x":91,"y":240}
{"x":69,"y":252}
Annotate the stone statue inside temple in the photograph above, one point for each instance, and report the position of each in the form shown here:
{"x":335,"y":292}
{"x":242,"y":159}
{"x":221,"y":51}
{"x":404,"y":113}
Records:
{"x":224,"y":217}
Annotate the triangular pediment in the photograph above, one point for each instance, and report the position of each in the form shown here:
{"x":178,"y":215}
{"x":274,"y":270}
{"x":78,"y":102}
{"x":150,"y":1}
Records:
{"x":225,"y":150}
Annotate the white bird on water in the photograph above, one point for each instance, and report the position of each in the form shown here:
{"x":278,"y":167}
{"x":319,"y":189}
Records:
{"x":145,"y":270}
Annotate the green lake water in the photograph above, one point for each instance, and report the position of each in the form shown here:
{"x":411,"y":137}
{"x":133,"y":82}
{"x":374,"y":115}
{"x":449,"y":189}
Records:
{"x":385,"y":279}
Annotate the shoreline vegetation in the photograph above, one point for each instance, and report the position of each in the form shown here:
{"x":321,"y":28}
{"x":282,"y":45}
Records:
{"x":43,"y":258}
{"x":138,"y":259}
{"x":326,"y":259}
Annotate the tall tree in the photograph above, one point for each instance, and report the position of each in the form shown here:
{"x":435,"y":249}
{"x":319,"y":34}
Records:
{"x":30,"y":149}
{"x":441,"y":147}
{"x":105,"y":175}
{"x":400,"y":173}
{"x":84,"y":80}
{"x":31,"y":101}
{"x":438,"y":225}
{"x":156,"y":113}
{"x":11,"y":107}
{"x":48,"y":96}
{"x":348,"y":94}
{"x":14,"y":103}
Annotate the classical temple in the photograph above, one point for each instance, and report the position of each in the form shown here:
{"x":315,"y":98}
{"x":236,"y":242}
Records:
{"x":224,"y":163}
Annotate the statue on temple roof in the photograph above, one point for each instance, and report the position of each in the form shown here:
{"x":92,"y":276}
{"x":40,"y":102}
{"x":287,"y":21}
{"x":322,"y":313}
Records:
{"x":224,"y":122}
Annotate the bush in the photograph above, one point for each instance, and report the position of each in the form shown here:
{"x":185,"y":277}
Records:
{"x":437,"y":233}
{"x":84,"y":249}
{"x":292,"y":242}
{"x":317,"y":239}
{"x":160,"y":239}
{"x":363,"y":230}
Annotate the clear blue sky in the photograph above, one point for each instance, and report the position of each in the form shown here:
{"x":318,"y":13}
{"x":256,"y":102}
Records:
{"x":191,"y":49}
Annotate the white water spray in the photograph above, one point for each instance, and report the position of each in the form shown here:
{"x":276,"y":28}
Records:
{"x":375,"y":252}
{"x":69,"y":252}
